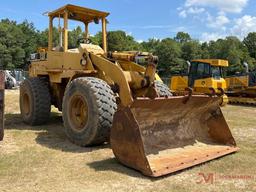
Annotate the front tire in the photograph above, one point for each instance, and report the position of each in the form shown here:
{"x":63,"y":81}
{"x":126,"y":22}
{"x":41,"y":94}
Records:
{"x":88,"y":108}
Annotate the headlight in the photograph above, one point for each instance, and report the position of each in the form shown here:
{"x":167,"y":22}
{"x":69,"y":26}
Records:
{"x":83,"y":62}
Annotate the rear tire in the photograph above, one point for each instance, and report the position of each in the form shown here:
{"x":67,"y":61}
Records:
{"x":162,"y":89}
{"x":89,"y":105}
{"x":35,"y":101}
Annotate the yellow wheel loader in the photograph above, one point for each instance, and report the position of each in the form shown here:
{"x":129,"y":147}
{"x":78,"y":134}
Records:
{"x":107,"y":96}
{"x":241,"y":88}
{"x":2,"y":87}
{"x":204,"y":76}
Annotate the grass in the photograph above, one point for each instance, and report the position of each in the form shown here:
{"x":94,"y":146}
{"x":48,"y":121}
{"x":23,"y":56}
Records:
{"x":42,"y":159}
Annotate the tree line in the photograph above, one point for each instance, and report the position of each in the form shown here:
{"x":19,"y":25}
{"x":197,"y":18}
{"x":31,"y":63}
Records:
{"x":19,"y":40}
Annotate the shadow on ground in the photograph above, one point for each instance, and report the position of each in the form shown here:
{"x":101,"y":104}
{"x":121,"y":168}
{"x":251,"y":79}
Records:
{"x":243,"y":105}
{"x":14,"y":121}
{"x":112,"y":164}
{"x":51,"y":135}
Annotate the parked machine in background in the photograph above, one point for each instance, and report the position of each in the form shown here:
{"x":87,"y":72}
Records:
{"x":13,"y":78}
{"x":19,"y":75}
{"x":241,"y":88}
{"x":107,"y":96}
{"x":204,"y":76}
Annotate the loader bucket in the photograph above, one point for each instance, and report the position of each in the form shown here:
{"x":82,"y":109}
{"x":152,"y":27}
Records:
{"x":164,"y":135}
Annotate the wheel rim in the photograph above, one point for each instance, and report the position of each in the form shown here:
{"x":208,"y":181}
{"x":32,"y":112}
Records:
{"x":78,"y":113}
{"x":26,"y":104}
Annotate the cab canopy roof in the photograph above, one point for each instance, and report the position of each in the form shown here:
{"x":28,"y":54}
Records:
{"x":213,"y":62}
{"x":78,"y":13}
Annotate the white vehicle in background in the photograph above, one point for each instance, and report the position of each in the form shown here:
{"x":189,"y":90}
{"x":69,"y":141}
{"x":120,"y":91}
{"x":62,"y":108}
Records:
{"x":13,"y":78}
{"x":10,"y":81}
{"x":19,"y":76}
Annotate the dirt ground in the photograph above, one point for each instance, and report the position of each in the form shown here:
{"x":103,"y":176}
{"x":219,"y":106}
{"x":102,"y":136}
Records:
{"x":42,"y":159}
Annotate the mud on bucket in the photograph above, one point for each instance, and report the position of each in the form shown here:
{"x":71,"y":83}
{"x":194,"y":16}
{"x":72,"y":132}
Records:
{"x":161,"y":136}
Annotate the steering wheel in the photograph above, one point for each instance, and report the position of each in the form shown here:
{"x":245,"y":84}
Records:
{"x":84,"y":40}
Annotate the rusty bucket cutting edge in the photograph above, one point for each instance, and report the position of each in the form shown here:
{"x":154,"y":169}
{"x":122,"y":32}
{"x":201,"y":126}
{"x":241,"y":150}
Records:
{"x":161,"y":136}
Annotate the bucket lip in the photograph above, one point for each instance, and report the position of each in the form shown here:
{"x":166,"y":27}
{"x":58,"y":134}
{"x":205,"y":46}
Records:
{"x":171,"y":170}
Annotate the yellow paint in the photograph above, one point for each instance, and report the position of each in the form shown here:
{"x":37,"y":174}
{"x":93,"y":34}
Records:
{"x":204,"y":85}
{"x":178,"y":84}
{"x":213,"y":62}
{"x":63,"y":65}
{"x":237,"y":82}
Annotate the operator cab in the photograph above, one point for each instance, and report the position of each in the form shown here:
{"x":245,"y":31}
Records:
{"x":206,"y":68}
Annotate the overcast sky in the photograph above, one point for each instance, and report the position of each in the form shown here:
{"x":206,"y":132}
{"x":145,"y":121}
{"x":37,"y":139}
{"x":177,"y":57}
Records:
{"x":203,"y":19}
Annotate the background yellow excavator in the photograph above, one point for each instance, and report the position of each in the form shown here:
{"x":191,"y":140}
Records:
{"x":241,"y":88}
{"x":107,"y":96}
{"x":204,"y":76}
